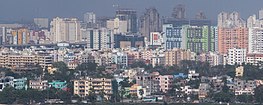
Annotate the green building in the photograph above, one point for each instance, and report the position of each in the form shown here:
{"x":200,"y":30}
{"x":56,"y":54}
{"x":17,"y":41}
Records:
{"x":199,"y":38}
{"x":58,"y":84}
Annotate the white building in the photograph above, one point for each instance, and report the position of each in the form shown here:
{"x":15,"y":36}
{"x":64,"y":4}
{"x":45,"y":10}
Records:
{"x":236,"y":56}
{"x":65,"y":29}
{"x":98,"y":38}
{"x":255,"y":44}
{"x":254,"y":58}
{"x":118,"y":26}
{"x":90,"y":17}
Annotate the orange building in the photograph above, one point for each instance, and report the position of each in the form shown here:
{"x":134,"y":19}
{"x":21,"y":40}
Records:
{"x":228,"y":38}
{"x":20,"y":36}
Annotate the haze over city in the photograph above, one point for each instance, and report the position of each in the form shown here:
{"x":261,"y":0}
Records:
{"x":26,"y":10}
{"x":131,"y":52}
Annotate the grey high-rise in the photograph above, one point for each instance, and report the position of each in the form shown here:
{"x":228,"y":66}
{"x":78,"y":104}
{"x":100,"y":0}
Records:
{"x":150,"y":22}
{"x":130,"y":16}
{"x":179,"y":12}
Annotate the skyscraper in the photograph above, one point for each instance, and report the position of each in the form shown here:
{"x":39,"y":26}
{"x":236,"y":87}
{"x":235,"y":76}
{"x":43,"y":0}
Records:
{"x":179,"y":12}
{"x":260,"y":14}
{"x":255,"y":40}
{"x":65,"y":29}
{"x":130,"y":16}
{"x":172,"y":36}
{"x":98,"y":38}
{"x":149,"y":22}
{"x":235,"y":37}
{"x":228,"y":20}
{"x":199,"y":38}
{"x":90,"y":17}
{"x":41,"y":22}
{"x":117,"y":26}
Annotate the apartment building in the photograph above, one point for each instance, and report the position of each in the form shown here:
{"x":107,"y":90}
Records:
{"x":20,"y":62}
{"x":84,"y":86}
{"x":38,"y":84}
{"x":175,"y":56}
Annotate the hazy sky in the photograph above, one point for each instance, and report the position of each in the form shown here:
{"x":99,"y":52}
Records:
{"x":16,"y":10}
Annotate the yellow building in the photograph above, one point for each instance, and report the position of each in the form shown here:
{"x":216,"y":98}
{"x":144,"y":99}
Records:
{"x":175,"y":56}
{"x":239,"y":71}
{"x":19,"y":62}
{"x":84,"y":86}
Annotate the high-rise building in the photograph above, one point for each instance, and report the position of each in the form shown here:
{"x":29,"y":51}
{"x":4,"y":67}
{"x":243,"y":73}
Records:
{"x":255,"y":44}
{"x":236,"y":56}
{"x":130,"y":16}
{"x":90,"y":17}
{"x":3,"y":35}
{"x":118,"y":26}
{"x":200,"y":15}
{"x":20,"y":36}
{"x":65,"y":29}
{"x":179,"y":12}
{"x":172,"y":36}
{"x":98,"y":38}
{"x":228,"y":20}
{"x":251,"y":21}
{"x":41,"y":22}
{"x":199,"y":39}
{"x":260,"y":13}
{"x":149,"y":22}
{"x":228,"y":38}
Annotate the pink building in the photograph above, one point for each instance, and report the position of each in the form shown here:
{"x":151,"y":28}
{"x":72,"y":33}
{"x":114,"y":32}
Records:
{"x":165,"y":82}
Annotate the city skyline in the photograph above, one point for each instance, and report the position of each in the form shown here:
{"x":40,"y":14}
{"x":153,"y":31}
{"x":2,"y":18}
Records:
{"x":16,"y":10}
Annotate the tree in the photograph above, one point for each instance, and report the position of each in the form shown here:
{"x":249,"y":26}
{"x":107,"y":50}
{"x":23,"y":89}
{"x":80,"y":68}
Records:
{"x":223,"y":97}
{"x":7,"y":96}
{"x":245,"y":98}
{"x":259,"y":94}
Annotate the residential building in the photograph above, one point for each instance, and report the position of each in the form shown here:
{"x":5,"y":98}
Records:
{"x":65,"y":29}
{"x":58,"y":84}
{"x":20,"y":83}
{"x":129,"y":15}
{"x":212,"y":58}
{"x":20,"y":62}
{"x":149,"y":81}
{"x":199,"y":38}
{"x":98,"y":38}
{"x":41,"y":22}
{"x":254,"y":59}
{"x":165,"y":82}
{"x":229,"y":38}
{"x":84,"y":86}
{"x":228,"y":20}
{"x":90,"y":17}
{"x":172,"y":36}
{"x":236,"y":56}
{"x":175,"y":56}
{"x":6,"y":81}
{"x":255,"y":40}
{"x":125,"y":41}
{"x":117,"y":26}
{"x":38,"y":84}
{"x":239,"y":71}
{"x":20,"y":36}
{"x":244,"y":86}
{"x":203,"y":90}
{"x":156,"y":40}
{"x":150,"y":22}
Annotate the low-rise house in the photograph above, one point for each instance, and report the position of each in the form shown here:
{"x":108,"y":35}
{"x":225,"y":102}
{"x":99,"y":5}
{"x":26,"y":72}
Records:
{"x":6,"y":81}
{"x":38,"y":84}
{"x":58,"y":84}
{"x":203,"y":90}
{"x":20,"y":83}
{"x":244,"y":86}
